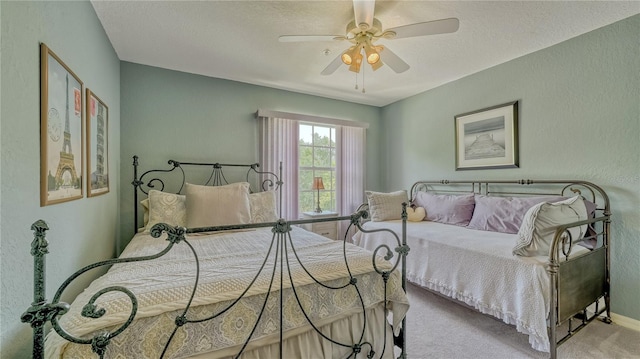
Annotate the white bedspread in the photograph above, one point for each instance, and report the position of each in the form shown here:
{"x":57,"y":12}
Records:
{"x":477,"y":268}
{"x":228,"y":262}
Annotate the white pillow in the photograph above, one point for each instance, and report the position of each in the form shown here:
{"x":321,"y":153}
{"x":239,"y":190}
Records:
{"x":209,"y":206}
{"x":386,"y":206}
{"x":540,"y":222}
{"x":145,"y":208}
{"x":263,"y":207}
{"x":166,"y":208}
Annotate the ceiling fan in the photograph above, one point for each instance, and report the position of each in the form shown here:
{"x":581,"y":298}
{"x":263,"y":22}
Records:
{"x":363,"y":32}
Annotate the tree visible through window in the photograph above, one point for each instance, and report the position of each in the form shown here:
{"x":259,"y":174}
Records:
{"x":317,"y":154}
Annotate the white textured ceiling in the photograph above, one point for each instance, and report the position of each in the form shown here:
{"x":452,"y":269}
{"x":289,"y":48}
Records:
{"x":238,"y":40}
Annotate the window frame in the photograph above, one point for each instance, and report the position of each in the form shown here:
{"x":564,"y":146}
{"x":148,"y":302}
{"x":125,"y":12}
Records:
{"x":330,"y":184}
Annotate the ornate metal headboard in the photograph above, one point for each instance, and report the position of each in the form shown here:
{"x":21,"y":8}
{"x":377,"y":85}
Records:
{"x":527,"y":188}
{"x":518,"y":188}
{"x":173,"y":179}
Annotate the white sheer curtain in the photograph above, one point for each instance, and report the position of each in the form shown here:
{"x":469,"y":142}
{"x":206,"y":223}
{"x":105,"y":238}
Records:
{"x":350,"y":173}
{"x":279,"y":137}
{"x":279,"y":144}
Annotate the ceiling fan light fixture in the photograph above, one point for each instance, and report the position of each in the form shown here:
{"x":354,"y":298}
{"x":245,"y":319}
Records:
{"x":373,"y":58}
{"x":350,"y":54}
{"x":357,"y":62}
{"x":372,"y":54}
{"x":346,"y":59}
{"x":377,"y":65}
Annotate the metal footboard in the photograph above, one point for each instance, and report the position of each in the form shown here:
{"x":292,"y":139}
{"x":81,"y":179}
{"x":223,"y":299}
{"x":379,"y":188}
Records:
{"x":577,"y":283}
{"x":41,"y":311}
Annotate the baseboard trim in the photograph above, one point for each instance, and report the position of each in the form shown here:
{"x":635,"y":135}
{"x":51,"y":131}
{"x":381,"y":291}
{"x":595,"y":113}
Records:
{"x":618,"y":319}
{"x":626,"y":322}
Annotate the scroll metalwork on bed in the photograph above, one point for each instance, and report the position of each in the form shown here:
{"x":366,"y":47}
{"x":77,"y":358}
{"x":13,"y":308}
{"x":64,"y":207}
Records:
{"x":174,"y":178}
{"x":281,"y":255}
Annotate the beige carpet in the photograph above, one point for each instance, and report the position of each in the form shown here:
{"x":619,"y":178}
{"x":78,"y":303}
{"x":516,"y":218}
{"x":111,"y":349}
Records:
{"x":439,"y":328}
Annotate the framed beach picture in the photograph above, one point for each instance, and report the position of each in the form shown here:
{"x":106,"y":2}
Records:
{"x":97,"y":145}
{"x":61,"y":125}
{"x":487,"y":138}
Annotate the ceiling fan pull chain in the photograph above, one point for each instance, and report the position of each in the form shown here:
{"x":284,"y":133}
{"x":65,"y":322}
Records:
{"x":363,"y":79}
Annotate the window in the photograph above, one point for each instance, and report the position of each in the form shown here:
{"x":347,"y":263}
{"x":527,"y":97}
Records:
{"x":317,"y":158}
{"x":304,"y":146}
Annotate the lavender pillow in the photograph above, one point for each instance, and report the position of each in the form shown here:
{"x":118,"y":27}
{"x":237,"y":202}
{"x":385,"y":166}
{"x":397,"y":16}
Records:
{"x":590,"y":243}
{"x":504,"y":214}
{"x":444,"y":208}
{"x":591,"y":208}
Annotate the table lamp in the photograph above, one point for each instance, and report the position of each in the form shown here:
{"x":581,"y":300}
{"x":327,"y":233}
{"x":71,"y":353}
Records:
{"x":318,"y":185}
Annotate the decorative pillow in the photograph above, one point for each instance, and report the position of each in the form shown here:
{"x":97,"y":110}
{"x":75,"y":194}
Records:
{"x":541,"y":221}
{"x":416,"y":214}
{"x":504,"y":214}
{"x":263,"y":207}
{"x":166,"y":208}
{"x":591,"y":208}
{"x":386,"y":206}
{"x":145,"y":207}
{"x":590,"y":243}
{"x":209,"y":206}
{"x":446,"y":208}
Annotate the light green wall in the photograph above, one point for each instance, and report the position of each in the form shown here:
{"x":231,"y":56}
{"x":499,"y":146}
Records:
{"x":82,"y":231}
{"x":579,"y":107}
{"x":579,"y":119}
{"x":175,"y":115}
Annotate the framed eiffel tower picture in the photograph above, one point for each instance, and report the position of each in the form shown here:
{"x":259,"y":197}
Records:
{"x":97,"y":138}
{"x":61,"y":126}
{"x":487,"y":138}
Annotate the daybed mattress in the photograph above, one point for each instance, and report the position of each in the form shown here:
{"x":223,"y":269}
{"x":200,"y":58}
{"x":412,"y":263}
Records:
{"x":477,"y":268}
{"x":228,"y":263}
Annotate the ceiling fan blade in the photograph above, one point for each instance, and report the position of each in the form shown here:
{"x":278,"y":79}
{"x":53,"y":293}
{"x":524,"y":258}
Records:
{"x":392,"y":60}
{"x":333,"y":66}
{"x":309,"y":38}
{"x":443,"y":26}
{"x":363,"y":11}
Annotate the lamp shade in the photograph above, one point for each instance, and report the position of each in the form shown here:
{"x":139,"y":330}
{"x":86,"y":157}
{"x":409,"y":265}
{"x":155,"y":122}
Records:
{"x":355,"y":65}
{"x":377,"y":65}
{"x":317,"y":183}
{"x":372,"y":55}
{"x":348,"y":54}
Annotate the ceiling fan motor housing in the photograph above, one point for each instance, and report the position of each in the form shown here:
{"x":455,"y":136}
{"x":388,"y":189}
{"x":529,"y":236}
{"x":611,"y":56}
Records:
{"x":373,"y":30}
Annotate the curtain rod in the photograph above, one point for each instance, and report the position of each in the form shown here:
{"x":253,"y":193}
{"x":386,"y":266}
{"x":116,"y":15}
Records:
{"x":310,"y":118}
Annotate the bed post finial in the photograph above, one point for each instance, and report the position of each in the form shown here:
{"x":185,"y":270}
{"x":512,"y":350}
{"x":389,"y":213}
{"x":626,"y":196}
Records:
{"x":40,"y":311}
{"x":39,"y":244}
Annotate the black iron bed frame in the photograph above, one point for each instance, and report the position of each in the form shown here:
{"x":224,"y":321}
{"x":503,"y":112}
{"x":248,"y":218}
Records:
{"x":42,"y":311}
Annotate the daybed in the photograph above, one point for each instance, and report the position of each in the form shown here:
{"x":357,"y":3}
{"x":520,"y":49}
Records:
{"x":533,"y":253}
{"x":231,"y":280}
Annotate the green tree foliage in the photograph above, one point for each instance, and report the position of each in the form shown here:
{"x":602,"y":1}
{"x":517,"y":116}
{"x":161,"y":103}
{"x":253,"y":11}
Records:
{"x":317,"y":158}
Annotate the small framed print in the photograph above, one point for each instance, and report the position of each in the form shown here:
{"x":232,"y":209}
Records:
{"x":487,"y":138}
{"x":61,"y":125}
{"x":97,"y":145}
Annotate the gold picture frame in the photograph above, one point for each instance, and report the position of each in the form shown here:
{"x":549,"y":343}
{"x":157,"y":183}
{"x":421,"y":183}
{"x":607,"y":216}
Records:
{"x":487,"y":138}
{"x":97,"y":138}
{"x":61,"y":129}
